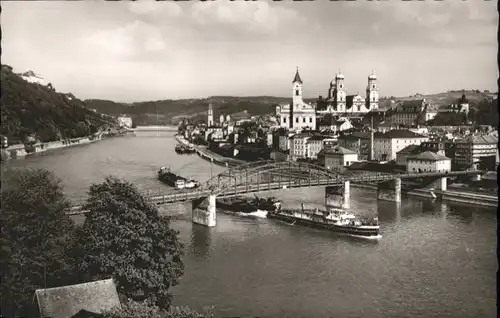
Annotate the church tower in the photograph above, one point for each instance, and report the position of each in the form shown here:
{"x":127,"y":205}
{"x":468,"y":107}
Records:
{"x":372,"y":92}
{"x":297,"y":90}
{"x":210,"y":119}
{"x":340,"y":93}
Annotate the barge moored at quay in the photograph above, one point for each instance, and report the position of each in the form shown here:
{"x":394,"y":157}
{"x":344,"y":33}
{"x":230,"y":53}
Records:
{"x":335,"y":220}
{"x":247,"y":205}
{"x":183,"y":149}
{"x":166,"y":176}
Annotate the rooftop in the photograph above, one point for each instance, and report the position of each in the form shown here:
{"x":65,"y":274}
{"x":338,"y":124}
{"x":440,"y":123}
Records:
{"x":67,"y":301}
{"x":430,"y":156}
{"x":397,"y":134}
{"x":338,"y":151}
{"x":411,"y":149}
{"x":483,"y":139}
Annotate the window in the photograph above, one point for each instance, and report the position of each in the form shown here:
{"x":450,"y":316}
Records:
{"x":373,"y":86}
{"x":303,"y":119}
{"x":284,"y":120}
{"x":310,"y":119}
{"x":296,"y":92}
{"x":297,"y":120}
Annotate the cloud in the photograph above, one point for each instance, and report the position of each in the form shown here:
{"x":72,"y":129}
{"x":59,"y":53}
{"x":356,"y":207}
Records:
{"x":252,"y":17}
{"x":125,"y":42}
{"x":167,"y":9}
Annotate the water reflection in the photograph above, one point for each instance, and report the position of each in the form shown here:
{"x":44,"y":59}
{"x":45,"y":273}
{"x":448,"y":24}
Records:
{"x":201,"y":240}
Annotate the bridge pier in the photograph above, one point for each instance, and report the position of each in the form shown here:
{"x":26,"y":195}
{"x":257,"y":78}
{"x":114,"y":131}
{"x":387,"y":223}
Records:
{"x":389,"y":190}
{"x":338,"y":196}
{"x":204,"y":211}
{"x":441,"y":184}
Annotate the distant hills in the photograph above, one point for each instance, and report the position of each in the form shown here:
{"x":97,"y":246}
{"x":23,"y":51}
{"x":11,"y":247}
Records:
{"x":172,"y":111}
{"x":30,"y":109}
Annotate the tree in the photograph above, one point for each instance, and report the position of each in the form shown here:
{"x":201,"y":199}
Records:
{"x":124,"y":237}
{"x":147,"y":310}
{"x":36,"y":234}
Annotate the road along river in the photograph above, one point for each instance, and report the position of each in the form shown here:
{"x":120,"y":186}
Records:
{"x":434,"y":259}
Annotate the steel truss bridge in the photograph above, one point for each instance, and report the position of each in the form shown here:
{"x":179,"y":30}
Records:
{"x":277,"y":175}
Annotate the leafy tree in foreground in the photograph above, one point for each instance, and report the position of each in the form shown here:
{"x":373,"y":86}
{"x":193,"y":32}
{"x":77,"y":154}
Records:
{"x":146,"y":310}
{"x":124,"y":237}
{"x":35,"y":234}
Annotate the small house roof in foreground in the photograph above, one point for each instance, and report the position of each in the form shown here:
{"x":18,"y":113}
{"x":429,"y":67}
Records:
{"x":67,"y":301}
{"x":429,"y":155}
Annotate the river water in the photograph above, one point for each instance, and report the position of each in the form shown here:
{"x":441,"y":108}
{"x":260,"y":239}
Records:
{"x":434,"y":259}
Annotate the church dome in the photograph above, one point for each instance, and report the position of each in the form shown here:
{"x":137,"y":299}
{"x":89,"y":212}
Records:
{"x":372,"y":77}
{"x":339,"y":76}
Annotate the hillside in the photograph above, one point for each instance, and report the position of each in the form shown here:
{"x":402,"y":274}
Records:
{"x":31,"y":109}
{"x":172,"y":111}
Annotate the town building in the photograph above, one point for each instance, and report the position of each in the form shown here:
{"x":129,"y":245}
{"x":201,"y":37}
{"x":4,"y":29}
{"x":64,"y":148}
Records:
{"x":298,"y":146}
{"x":402,"y":155}
{"x":285,"y":141}
{"x":338,"y":102}
{"x":314,"y":146}
{"x":412,"y":112}
{"x":335,"y":125}
{"x":462,"y":106}
{"x":338,"y":157}
{"x":471,"y":150}
{"x":124,"y":121}
{"x":359,"y":142}
{"x":387,"y":145}
{"x":428,"y":162}
{"x":298,"y":114}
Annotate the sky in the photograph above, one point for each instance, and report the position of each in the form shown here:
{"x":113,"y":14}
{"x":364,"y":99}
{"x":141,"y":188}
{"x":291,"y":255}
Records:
{"x":145,"y":50}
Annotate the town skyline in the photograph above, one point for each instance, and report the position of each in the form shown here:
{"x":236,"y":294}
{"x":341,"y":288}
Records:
{"x":159,"y":50}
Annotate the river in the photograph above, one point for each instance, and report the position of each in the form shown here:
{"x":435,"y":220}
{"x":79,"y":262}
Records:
{"x":434,"y":259}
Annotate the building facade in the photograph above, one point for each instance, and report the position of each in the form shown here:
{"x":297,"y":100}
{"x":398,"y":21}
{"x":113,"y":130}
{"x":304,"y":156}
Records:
{"x":298,"y":146}
{"x":470,"y":151}
{"x":338,"y":157}
{"x":359,"y":142}
{"x":125,"y":121}
{"x":298,"y":114}
{"x":412,"y":112}
{"x":338,"y":102}
{"x":428,"y":162}
{"x":314,"y":146}
{"x":387,"y":145}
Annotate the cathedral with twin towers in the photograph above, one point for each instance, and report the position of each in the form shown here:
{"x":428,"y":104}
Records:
{"x":299,"y":115}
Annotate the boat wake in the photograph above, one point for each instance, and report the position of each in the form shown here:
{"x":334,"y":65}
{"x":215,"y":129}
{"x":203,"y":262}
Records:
{"x":378,"y":237}
{"x":256,"y":214}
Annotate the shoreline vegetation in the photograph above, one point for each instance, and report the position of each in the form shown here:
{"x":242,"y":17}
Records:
{"x":123,"y":238}
{"x":35,"y":117}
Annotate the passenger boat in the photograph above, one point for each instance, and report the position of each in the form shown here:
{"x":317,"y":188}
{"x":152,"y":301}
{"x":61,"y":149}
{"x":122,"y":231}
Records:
{"x":335,"y":220}
{"x":166,"y":176}
{"x":247,"y":205}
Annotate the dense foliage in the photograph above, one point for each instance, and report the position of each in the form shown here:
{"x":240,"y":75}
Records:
{"x":35,"y":236}
{"x":30,"y":109}
{"x":124,"y":237}
{"x":146,"y":310}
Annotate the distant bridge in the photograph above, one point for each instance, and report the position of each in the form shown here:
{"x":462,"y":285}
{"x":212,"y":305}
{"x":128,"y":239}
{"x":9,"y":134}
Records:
{"x":154,"y":128}
{"x":277,"y":175}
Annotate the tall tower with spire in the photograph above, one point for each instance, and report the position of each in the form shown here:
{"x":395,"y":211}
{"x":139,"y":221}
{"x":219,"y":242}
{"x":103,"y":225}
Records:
{"x":372,"y":92}
{"x":340,"y":92}
{"x":297,"y":89}
{"x":210,"y":118}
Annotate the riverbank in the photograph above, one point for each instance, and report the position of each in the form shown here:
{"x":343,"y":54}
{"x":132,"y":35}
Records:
{"x":22,"y":150}
{"x":211,"y":156}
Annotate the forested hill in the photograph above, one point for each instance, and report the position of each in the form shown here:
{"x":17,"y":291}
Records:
{"x":31,"y":109}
